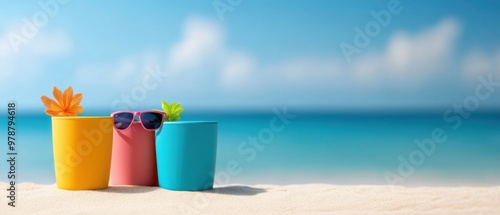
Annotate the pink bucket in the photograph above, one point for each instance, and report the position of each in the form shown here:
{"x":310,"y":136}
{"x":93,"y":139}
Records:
{"x":133,"y":161}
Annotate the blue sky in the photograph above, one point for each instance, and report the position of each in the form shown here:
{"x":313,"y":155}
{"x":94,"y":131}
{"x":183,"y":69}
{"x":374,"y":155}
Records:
{"x":262,"y":54}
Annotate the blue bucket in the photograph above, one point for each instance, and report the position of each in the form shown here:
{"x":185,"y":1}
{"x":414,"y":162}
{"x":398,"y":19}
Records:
{"x":185,"y":155}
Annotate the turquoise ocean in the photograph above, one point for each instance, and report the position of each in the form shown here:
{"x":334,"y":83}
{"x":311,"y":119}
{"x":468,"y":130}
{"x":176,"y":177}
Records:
{"x":316,"y":147}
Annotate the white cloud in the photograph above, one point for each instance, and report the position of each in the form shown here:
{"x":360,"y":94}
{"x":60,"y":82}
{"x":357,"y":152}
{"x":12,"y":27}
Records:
{"x":406,"y":60}
{"x":5,"y":50}
{"x":479,"y":63}
{"x":55,"y":43}
{"x":307,"y":72}
{"x":202,"y":47}
{"x":125,"y":72}
{"x":237,"y":70}
{"x":45,"y":43}
{"x":201,"y":40}
{"x":410,"y":57}
{"x":38,"y":51}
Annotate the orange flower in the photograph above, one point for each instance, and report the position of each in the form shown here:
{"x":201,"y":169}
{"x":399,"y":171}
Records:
{"x":65,"y":105}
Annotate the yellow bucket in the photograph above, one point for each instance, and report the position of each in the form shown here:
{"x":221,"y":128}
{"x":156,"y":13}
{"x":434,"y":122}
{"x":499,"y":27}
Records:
{"x":82,"y":151}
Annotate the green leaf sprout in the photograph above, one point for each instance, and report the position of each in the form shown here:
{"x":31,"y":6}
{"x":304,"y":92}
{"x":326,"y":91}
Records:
{"x":173,"y":110}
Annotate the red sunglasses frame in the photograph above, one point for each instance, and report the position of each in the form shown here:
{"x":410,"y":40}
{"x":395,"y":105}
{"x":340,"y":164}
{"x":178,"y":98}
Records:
{"x":139,"y":114}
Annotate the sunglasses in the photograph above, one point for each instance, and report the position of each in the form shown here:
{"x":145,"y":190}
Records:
{"x":150,"y":120}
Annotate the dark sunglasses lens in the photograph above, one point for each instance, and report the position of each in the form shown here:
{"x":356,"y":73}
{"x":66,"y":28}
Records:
{"x":123,"y":120}
{"x":151,"y":120}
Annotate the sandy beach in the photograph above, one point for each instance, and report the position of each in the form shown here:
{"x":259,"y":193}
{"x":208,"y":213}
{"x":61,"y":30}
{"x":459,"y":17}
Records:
{"x":262,"y":199}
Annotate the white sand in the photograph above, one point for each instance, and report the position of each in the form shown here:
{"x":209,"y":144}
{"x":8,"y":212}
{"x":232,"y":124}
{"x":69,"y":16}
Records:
{"x":262,"y":199}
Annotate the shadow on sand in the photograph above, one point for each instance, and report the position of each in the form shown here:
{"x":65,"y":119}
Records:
{"x":129,"y":189}
{"x":237,"y":190}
